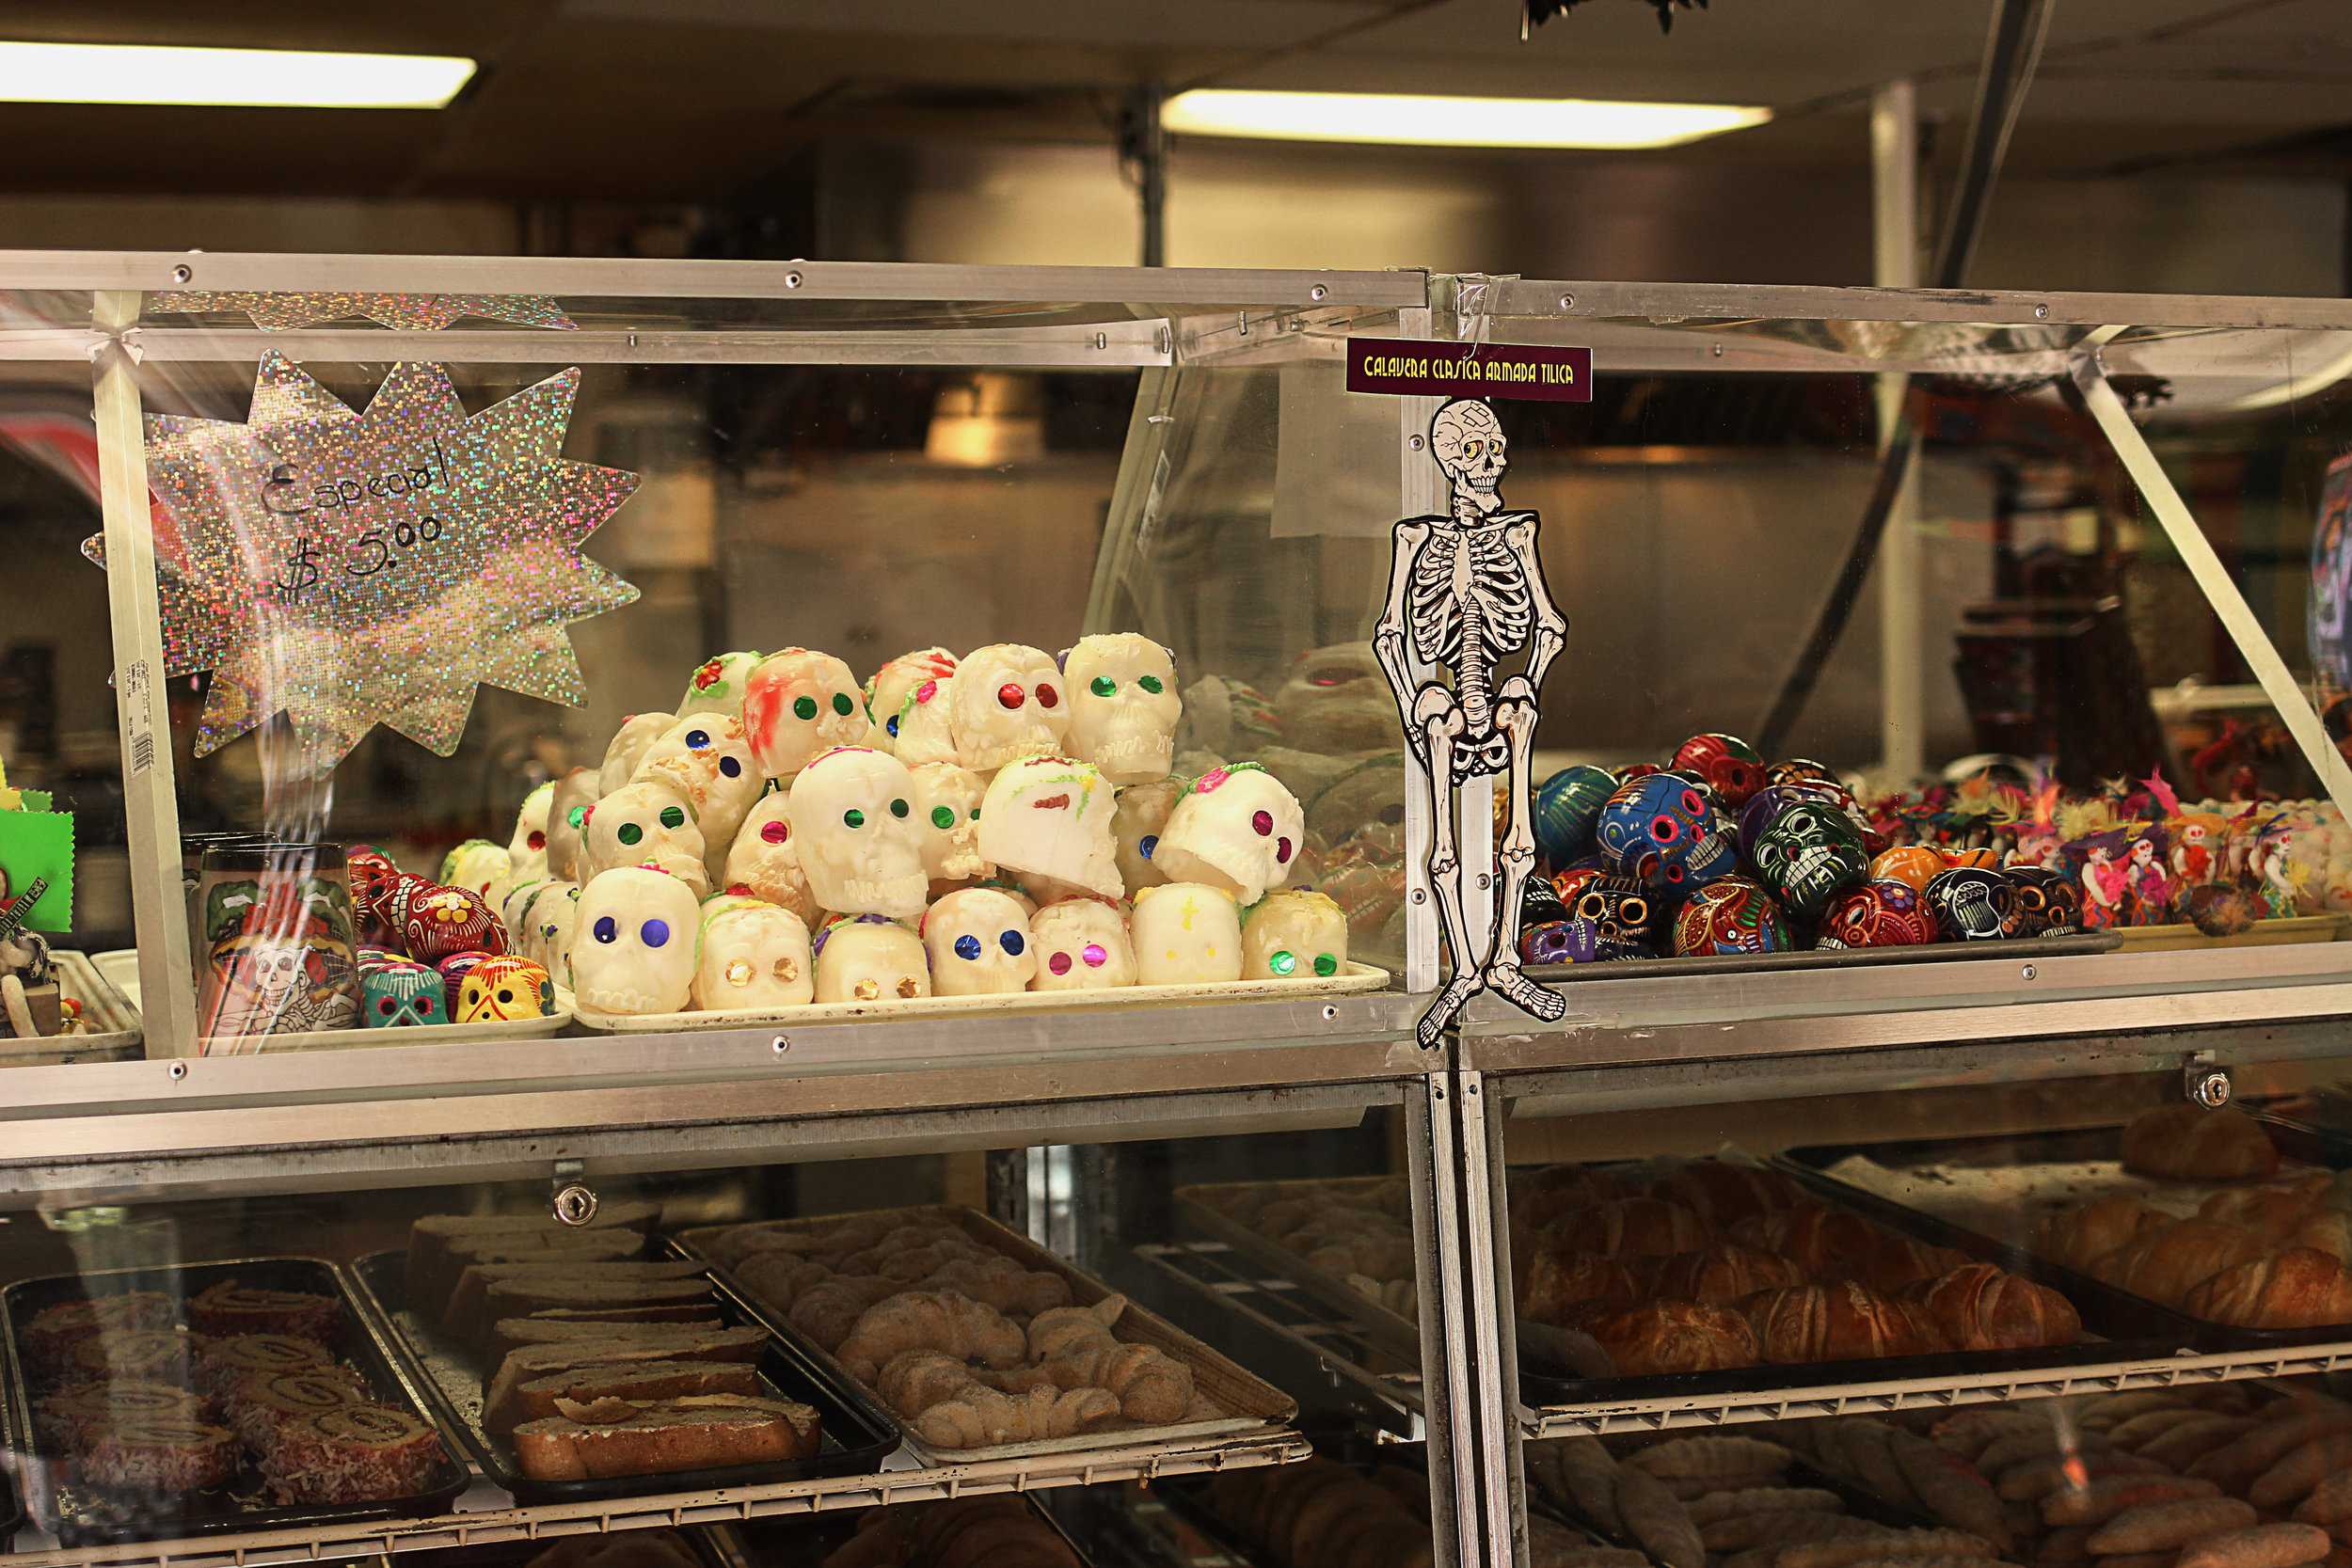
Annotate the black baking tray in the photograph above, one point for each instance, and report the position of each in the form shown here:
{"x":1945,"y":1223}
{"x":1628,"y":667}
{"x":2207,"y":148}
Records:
{"x":2136,"y":1327}
{"x":1831,"y":958}
{"x":80,"y":1515}
{"x":857,"y":1435}
{"x":2293,"y":1140}
{"x":813,"y":1538}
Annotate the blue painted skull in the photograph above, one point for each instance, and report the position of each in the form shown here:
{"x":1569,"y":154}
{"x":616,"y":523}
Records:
{"x":1660,"y":830}
{"x":1807,"y":854}
{"x":398,"y":994}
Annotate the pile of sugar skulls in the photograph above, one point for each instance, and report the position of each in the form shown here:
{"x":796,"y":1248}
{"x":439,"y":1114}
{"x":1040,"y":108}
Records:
{"x":1004,"y":822}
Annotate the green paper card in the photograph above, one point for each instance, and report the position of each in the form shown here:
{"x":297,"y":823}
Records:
{"x":36,"y":871}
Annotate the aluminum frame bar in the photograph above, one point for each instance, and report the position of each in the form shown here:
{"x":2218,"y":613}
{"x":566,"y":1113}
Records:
{"x":1449,"y":1383}
{"x":1584,"y":299}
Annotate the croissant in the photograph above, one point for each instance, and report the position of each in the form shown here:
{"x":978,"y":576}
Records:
{"x":2327,"y":1230}
{"x":779,"y":1277}
{"x":1721,"y":1191}
{"x":981,"y":1416}
{"x":1387,"y":1255}
{"x":2077,"y":1236}
{"x":1722,"y":1273}
{"x":914,"y":1381}
{"x":1649,"y":1227}
{"x":2298,"y":1288}
{"x":1558,"y":1281}
{"x":1845,"y":1321}
{"x":1151,"y":1387}
{"x":1819,"y":1239}
{"x":929,"y":1320}
{"x":2188,"y":1143}
{"x":1673,"y":1337}
{"x":2164,"y":1265}
{"x":2270,"y":1213}
{"x":912,"y":1264}
{"x":1002,"y":1283}
{"x":1977,"y":1306}
{"x":827,"y":1310}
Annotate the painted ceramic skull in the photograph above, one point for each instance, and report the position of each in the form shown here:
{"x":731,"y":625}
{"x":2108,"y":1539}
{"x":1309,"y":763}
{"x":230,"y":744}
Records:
{"x":711,"y":763}
{"x":1972,"y":903}
{"x":800,"y":704}
{"x":754,"y":954}
{"x":2048,"y":902}
{"x":891,"y":692}
{"x":1660,"y":829}
{"x":500,"y":990}
{"x":1236,"y":828}
{"x":1728,"y":764}
{"x":718,"y":685}
{"x":399,"y":994}
{"x":1568,"y":811}
{"x":980,"y":944}
{"x":527,"y":851}
{"x":1123,"y":706}
{"x":1006,"y":703}
{"x":1082,"y":945}
{"x":1051,"y":816}
{"x":1808,"y":855}
{"x":869,"y":959}
{"x":1185,"y":933}
{"x":630,"y":742}
{"x":1879,"y":913}
{"x":649,"y":823}
{"x":446,"y":919}
{"x":1294,"y":936}
{"x":1730,"y":914}
{"x":454,"y":971}
{"x":633,"y":947}
{"x":1467,"y":440}
{"x":764,"y":860}
{"x":576,"y":796}
{"x":947,"y":821}
{"x":549,"y":921}
{"x":850,"y":812}
{"x":1610,"y":918}
{"x":926,"y":720}
{"x":1138,"y":821}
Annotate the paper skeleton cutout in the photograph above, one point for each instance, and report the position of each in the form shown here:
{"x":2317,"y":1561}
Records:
{"x":1466,"y":592}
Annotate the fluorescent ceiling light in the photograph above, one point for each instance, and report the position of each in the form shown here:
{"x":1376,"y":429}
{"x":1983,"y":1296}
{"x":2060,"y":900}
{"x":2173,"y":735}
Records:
{"x":1415,"y":120}
{"x":263,"y":78}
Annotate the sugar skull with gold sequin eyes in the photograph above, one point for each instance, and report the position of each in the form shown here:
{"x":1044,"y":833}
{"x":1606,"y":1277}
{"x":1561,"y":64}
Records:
{"x":870,"y":958}
{"x":1294,"y":936}
{"x":500,"y":990}
{"x":754,"y":954}
{"x":799,"y":705}
{"x":1660,"y":830}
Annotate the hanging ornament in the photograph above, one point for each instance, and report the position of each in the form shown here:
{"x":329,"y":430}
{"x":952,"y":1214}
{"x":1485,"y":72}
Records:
{"x":1535,"y":13}
{"x":281,"y":313}
{"x":350,"y":569}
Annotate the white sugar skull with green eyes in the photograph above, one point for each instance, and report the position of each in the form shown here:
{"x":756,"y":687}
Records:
{"x":851,"y":814}
{"x":980,"y":944}
{"x":716,"y":770}
{"x":946,"y":819}
{"x":1294,"y":936}
{"x":799,"y":705}
{"x":1123,"y":706}
{"x":648,"y":823}
{"x":630,"y":742}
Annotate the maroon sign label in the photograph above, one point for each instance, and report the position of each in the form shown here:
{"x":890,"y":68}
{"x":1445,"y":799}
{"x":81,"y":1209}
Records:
{"x":1407,"y":367}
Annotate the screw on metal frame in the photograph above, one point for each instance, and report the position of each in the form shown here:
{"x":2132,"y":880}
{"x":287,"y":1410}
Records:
{"x":781,"y":1044}
{"x":791,"y":279}
{"x":1318,"y":291}
{"x":182,"y":273}
{"x":2027,"y":973}
{"x":1567,"y":302}
{"x":2208,"y":1085}
{"x":178,"y":1070}
{"x":1414,"y":442}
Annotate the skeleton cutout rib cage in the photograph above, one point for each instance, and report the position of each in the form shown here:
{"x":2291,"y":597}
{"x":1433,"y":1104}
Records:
{"x":1468,"y":590}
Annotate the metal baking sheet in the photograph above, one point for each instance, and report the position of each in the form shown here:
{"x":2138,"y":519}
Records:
{"x":1997,"y":1191}
{"x":1256,"y":1404}
{"x":80,"y":1515}
{"x":2134,"y":1327}
{"x":1850,"y":957}
{"x":356,"y":1037}
{"x":1402,"y":1333}
{"x":856,"y":1434}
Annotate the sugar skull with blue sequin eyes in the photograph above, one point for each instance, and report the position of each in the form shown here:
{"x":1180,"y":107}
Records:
{"x":709,"y":756}
{"x":398,"y":994}
{"x":634,"y":942}
{"x":1660,"y":830}
{"x":979,"y":944}
{"x":1807,"y":855}
{"x":890,"y":691}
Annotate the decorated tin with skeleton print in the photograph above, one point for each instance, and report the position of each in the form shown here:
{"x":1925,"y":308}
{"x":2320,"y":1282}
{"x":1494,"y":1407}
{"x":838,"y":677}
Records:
{"x":281,"y":939}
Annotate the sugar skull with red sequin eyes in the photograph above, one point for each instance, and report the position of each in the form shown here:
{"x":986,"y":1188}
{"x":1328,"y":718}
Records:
{"x":1082,"y":945}
{"x":1006,"y":703}
{"x":1879,"y":913}
{"x":1660,"y":830}
{"x":1728,"y":764}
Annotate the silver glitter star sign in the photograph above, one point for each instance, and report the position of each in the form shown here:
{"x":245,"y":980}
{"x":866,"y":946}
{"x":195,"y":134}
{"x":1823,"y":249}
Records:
{"x":356,"y":568}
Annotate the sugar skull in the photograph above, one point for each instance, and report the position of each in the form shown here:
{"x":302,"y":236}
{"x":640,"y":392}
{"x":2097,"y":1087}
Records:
{"x":399,"y":995}
{"x":1082,"y":945}
{"x":576,"y":796}
{"x":1728,"y":764}
{"x":850,"y":812}
{"x":1807,"y":855}
{"x":1730,"y":914}
{"x":869,"y":959}
{"x":517,"y":906}
{"x":980,"y":944}
{"x":454,"y":971}
{"x":1294,"y":936}
{"x":1336,"y":700}
{"x":1007,"y":703}
{"x":2048,"y":902}
{"x":1051,"y":817}
{"x":754,"y":954}
{"x":447,"y":920}
{"x":765,"y":861}
{"x":649,"y":823}
{"x":502,"y":990}
{"x":477,"y":863}
{"x":634,"y":949}
{"x":890,"y":692}
{"x":546,"y":936}
{"x":1567,"y":812}
{"x":799,"y":705}
{"x":947,"y":821}
{"x":526,"y":851}
{"x":1236,"y":828}
{"x":926,"y":727}
{"x":1186,"y":932}
{"x":707,"y":757}
{"x":1660,"y":829}
{"x":1123,"y":706}
{"x":630,"y":742}
{"x":1912,"y":864}
{"x":1880,"y":914}
{"x":1140,"y":817}
{"x":1972,"y":903}
{"x":718,"y":685}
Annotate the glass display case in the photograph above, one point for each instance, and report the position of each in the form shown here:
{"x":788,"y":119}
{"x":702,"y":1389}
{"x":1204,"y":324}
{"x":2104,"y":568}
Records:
{"x":780,"y":913}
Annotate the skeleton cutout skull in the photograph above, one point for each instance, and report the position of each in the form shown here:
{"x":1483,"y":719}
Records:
{"x":635,"y":947}
{"x":1467,"y":440}
{"x":1006,"y":703}
{"x":1123,"y":706}
{"x":980,"y":944}
{"x":799,"y":705}
{"x":869,"y":959}
{"x":753,"y":955}
{"x":850,"y":810}
{"x":1082,"y":945}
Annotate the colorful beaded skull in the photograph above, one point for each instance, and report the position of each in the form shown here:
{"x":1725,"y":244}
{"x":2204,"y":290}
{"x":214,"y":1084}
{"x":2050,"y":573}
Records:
{"x":454,"y":971}
{"x":2049,"y":904}
{"x":1730,"y":916}
{"x":1972,"y":903}
{"x":1809,"y":854}
{"x":1879,"y":913}
{"x":1660,"y":829}
{"x":1728,"y":764}
{"x":503,"y":990}
{"x":399,"y":994}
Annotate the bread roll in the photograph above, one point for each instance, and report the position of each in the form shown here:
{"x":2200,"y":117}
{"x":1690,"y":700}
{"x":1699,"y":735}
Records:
{"x":1845,"y":1321}
{"x":2164,"y":1265}
{"x":1673,"y":1337}
{"x":2188,"y":1143}
{"x":1558,"y":1282}
{"x":1721,"y":1191}
{"x":2327,"y":1230}
{"x":2299,"y":1288}
{"x":2270,"y":1213}
{"x":2078,"y":1236}
{"x":1643,"y":1227}
{"x":1722,"y":1273}
{"x":1977,"y":1306}
{"x":2258,"y":1547}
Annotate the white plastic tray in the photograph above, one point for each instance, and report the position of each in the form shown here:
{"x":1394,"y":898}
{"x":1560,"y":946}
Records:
{"x":113,"y":1030}
{"x":1355,"y":978}
{"x":357,"y":1038}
